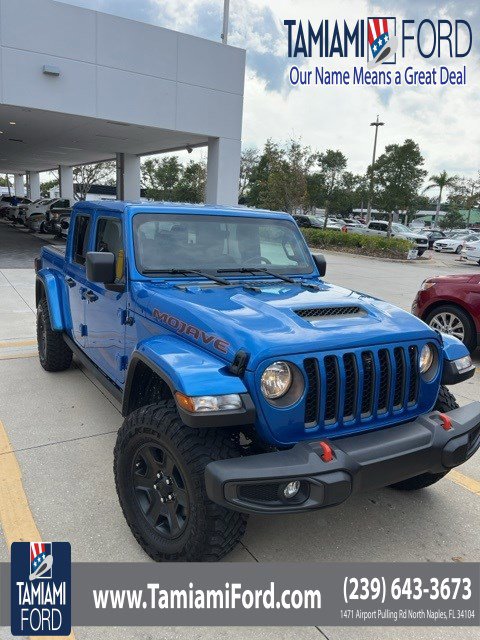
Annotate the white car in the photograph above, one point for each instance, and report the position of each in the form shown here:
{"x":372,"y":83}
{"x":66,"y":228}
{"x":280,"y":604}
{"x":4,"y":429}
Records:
{"x":23,"y":209}
{"x":354,"y":224}
{"x":44,"y":207}
{"x":471,"y":251}
{"x":455,"y":243}
{"x":380,"y":228}
{"x":331,"y":222}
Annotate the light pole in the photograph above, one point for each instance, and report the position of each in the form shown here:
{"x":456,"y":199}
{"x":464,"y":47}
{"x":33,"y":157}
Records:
{"x":375,"y":124}
{"x":226,"y":13}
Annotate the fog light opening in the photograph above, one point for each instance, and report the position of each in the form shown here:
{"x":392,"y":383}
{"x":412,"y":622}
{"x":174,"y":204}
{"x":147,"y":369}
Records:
{"x":291,"y":489}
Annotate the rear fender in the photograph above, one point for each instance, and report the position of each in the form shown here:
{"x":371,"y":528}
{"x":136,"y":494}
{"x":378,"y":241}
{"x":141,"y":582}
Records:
{"x":50,"y":284}
{"x":183,"y":367}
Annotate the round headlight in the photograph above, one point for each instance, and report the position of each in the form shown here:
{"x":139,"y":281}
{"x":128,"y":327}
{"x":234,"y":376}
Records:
{"x":426,"y":358}
{"x":276,"y":380}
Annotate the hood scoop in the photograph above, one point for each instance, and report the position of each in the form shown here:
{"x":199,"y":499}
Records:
{"x":320,"y":313}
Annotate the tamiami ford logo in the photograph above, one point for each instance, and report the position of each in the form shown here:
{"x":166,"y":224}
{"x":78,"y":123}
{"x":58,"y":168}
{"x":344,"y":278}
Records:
{"x":376,"y":44}
{"x":40,"y":588}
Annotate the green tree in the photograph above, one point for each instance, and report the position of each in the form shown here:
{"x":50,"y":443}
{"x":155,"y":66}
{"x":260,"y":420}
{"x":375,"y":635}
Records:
{"x":4,"y":181}
{"x":399,"y":177}
{"x":465,"y":194}
{"x":452,"y":220}
{"x":191,"y":183}
{"x":267,"y":179}
{"x":351,"y":194}
{"x":248,"y":163}
{"x":160,"y":177}
{"x":47,"y":185}
{"x":332,"y":165}
{"x":295,"y":176}
{"x":441,"y":181}
{"x":86,"y":175}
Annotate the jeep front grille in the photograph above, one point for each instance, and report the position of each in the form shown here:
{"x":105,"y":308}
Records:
{"x":360,"y":385}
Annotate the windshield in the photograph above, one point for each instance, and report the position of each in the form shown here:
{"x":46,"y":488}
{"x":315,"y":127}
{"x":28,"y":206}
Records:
{"x":400,"y":228}
{"x":199,"y":242}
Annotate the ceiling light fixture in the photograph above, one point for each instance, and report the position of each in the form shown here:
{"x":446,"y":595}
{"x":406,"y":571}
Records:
{"x":14,"y":123}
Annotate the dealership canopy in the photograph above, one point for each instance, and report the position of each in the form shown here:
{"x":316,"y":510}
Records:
{"x":88,"y":86}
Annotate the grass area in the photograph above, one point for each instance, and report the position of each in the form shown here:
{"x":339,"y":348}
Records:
{"x":377,"y":246}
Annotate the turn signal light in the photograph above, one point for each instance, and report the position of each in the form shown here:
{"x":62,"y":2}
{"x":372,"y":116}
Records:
{"x":203,"y":404}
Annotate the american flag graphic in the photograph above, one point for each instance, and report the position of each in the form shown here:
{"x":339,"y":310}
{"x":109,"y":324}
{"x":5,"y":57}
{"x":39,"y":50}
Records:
{"x":39,"y":552}
{"x":378,"y":34}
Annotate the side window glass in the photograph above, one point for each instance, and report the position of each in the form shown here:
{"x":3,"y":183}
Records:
{"x":80,"y":239}
{"x":109,"y":238}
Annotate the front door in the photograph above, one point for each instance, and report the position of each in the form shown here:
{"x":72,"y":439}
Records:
{"x":106,"y":306}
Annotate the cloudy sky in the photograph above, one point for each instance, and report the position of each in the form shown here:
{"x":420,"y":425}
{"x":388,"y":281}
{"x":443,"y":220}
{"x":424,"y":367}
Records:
{"x":443,"y":120}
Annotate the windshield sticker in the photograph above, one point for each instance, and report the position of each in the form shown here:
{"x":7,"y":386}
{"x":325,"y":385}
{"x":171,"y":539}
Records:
{"x":184,"y":328}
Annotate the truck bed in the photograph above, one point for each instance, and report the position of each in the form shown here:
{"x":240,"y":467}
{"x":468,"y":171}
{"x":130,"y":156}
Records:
{"x":53,"y":257}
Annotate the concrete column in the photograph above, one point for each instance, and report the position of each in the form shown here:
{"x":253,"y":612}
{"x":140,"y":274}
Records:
{"x":19,"y":185}
{"x":128,"y":177}
{"x":65,"y":178}
{"x":223,"y":171}
{"x":33,"y":181}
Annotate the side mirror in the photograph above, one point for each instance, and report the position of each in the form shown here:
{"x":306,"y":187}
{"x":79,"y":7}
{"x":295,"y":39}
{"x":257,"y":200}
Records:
{"x":320,"y":263}
{"x":100,"y":267}
{"x":64,"y":224}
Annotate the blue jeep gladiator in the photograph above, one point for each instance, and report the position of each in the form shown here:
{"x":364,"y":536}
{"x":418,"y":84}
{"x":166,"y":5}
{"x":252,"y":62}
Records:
{"x":248,"y":384}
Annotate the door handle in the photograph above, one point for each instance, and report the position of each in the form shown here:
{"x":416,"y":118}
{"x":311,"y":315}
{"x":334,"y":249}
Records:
{"x":91,"y":297}
{"x":70,"y":281}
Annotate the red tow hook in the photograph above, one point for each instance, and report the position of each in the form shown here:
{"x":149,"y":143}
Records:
{"x":327,"y":455}
{"x":446,"y":422}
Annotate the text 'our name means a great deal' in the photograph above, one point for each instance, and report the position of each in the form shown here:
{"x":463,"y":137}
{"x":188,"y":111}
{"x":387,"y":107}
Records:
{"x":319,"y":76}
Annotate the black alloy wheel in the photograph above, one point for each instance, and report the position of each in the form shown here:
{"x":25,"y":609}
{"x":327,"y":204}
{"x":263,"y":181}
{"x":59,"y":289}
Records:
{"x":160,"y":489}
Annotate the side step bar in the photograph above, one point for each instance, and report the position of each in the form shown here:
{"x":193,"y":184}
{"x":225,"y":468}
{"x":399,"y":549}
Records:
{"x":109,"y":385}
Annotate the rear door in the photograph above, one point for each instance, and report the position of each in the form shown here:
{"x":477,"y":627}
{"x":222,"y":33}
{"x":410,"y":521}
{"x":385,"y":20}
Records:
{"x":106,"y":306}
{"x":75,"y":276}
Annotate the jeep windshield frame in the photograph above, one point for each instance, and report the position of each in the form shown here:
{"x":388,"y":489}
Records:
{"x":171,"y":244}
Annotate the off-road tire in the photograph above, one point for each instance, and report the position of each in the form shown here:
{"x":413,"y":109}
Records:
{"x":210,"y":531}
{"x":53,"y":352}
{"x":445,"y":402}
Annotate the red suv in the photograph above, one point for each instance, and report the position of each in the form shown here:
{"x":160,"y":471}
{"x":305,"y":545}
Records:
{"x":451,"y":304}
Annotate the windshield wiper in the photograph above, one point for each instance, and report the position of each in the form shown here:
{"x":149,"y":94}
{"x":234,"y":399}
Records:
{"x":198,"y":273}
{"x":274,"y":274}
{"x":186,"y":272}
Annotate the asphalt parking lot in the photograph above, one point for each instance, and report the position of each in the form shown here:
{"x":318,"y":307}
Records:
{"x":62,"y":429}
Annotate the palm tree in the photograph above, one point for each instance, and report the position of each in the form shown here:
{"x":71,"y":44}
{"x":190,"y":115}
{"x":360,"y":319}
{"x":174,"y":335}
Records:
{"x":441,"y":181}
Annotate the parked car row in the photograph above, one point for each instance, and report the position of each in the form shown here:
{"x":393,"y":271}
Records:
{"x":380,"y":228}
{"x":9,"y":206}
{"x":316,"y":222}
{"x":455,"y":242}
{"x":44,"y":215}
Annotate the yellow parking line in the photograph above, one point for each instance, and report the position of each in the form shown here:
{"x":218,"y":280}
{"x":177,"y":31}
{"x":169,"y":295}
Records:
{"x":465,"y":481}
{"x":5,"y":344}
{"x":30,"y":354}
{"x":16,"y":519}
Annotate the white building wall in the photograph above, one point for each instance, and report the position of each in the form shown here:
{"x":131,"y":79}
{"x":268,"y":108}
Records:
{"x":117,"y":69}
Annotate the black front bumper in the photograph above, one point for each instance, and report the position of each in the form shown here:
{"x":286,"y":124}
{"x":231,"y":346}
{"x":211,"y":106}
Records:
{"x":255,"y":484}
